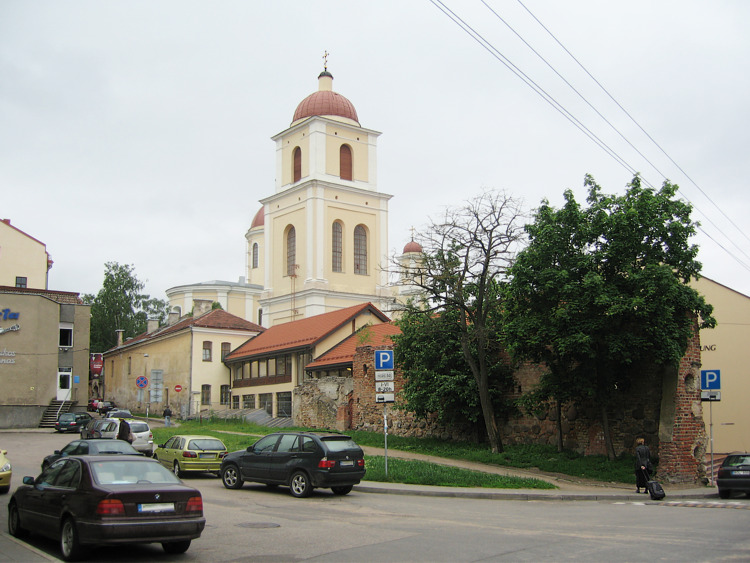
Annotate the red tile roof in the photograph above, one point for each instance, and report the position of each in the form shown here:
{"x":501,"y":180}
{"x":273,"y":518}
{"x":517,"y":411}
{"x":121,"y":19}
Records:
{"x":68,"y":297}
{"x":343,"y":353}
{"x":302,"y":333}
{"x":217,"y":318}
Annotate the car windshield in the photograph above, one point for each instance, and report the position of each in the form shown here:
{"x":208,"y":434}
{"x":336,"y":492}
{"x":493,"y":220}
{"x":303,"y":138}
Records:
{"x":67,"y":417}
{"x":735,"y":460}
{"x":138,"y":427}
{"x":206,"y":444}
{"x":131,"y":471}
{"x":113,"y":447}
{"x":339,"y":443}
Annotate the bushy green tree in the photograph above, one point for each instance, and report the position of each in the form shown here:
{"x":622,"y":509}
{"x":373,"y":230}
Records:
{"x":601,"y":288}
{"x":121,"y":305}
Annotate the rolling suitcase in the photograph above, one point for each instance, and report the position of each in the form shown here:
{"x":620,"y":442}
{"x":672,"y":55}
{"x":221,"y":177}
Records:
{"x":654,"y":488}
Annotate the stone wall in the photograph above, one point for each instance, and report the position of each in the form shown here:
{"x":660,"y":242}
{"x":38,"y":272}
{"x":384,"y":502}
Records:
{"x":662,"y":405}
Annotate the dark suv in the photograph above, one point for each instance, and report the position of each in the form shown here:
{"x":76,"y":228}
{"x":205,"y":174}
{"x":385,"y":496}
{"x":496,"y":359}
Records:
{"x":72,"y":421}
{"x":301,"y":460}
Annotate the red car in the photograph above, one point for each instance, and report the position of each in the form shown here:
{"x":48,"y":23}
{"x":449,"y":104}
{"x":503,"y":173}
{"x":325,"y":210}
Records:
{"x":100,"y":500}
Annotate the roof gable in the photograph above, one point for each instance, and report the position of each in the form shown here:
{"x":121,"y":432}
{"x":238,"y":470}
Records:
{"x":302,"y":333}
{"x":343,"y":353}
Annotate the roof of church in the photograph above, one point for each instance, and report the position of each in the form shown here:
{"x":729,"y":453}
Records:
{"x":302,"y":333}
{"x":412,"y":246}
{"x":325,"y":102}
{"x":343,"y":353}
{"x":259,"y":219}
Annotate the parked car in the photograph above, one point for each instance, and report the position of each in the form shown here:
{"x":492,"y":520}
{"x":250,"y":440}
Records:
{"x":144,"y":438}
{"x":72,"y":421}
{"x":119,"y":413}
{"x":191,"y":453}
{"x":301,"y":460}
{"x":105,"y":407}
{"x":90,"y":447}
{"x":734,"y":475}
{"x":94,"y":500}
{"x":96,"y":427}
{"x":6,"y":472}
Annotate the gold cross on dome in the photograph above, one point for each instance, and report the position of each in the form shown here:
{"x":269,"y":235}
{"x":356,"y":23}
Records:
{"x":325,"y":60}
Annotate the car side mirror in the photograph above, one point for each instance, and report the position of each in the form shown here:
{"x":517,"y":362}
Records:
{"x":28,"y":480}
{"x":251,"y":449}
{"x":57,"y":452}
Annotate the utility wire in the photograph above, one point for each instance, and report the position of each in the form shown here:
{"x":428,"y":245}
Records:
{"x":635,"y":122}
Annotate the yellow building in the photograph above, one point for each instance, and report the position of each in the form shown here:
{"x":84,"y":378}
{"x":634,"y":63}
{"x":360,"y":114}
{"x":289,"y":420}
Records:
{"x":723,"y":351}
{"x":180,"y":365}
{"x":24,"y":261}
{"x":320,"y":241}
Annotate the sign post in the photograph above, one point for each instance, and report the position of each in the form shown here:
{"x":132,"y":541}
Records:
{"x":710,"y":391}
{"x":384,"y":389}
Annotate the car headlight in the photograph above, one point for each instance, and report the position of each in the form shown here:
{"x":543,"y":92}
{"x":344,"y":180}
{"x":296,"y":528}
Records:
{"x":5,"y":467}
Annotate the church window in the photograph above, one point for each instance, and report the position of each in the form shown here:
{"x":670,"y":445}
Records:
{"x":345,"y":162}
{"x":296,"y":164}
{"x":255,"y":255}
{"x":336,"y":247}
{"x":291,"y":251}
{"x":360,"y":250}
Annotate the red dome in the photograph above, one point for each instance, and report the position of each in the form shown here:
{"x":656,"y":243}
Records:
{"x":412,"y":247}
{"x":259,"y":218}
{"x":325,"y":102}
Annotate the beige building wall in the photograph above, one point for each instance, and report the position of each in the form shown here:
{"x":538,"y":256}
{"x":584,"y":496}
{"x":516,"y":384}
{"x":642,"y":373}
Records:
{"x":724,"y":348}
{"x":22,"y":256}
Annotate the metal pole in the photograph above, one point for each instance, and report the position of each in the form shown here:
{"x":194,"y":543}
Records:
{"x":711,"y":427}
{"x":385,"y":430}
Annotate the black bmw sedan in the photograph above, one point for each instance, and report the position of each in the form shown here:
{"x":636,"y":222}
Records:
{"x":98,"y":500}
{"x":300,"y":460}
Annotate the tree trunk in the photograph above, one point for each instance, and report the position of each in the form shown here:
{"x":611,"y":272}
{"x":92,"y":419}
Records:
{"x":558,"y":407}
{"x":607,"y":436}
{"x":493,"y":433}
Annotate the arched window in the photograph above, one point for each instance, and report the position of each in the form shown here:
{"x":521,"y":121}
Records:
{"x":360,"y":250}
{"x":291,"y":251}
{"x":255,"y":255}
{"x":296,"y":164}
{"x":336,"y":244}
{"x":345,"y":162}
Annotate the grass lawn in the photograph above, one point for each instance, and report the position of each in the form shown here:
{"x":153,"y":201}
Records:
{"x":545,"y":458}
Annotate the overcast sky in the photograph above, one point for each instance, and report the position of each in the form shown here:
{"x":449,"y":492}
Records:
{"x":139,"y":131}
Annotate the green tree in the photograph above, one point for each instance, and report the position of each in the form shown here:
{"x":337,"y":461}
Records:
{"x":464,"y":258}
{"x":121,"y":305}
{"x":602,"y":288}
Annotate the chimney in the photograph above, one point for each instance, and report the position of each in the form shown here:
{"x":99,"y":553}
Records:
{"x":201,"y":307}
{"x":174,"y":316}
{"x":119,"y":332}
{"x":152,"y":325}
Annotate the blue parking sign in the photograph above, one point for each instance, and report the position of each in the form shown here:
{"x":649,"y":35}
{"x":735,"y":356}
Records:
{"x":710,"y":379}
{"x":384,"y":359}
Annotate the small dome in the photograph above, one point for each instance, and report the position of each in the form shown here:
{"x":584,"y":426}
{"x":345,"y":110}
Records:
{"x":325,"y":102}
{"x":412,"y":246}
{"x":259,"y":219}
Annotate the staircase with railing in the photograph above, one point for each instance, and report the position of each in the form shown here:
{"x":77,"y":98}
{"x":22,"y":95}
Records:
{"x":53,"y":412}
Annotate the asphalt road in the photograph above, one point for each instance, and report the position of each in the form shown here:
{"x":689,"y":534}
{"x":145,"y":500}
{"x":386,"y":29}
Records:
{"x":257,"y":524}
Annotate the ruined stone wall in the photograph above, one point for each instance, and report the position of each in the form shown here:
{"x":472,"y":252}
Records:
{"x":663,"y":406}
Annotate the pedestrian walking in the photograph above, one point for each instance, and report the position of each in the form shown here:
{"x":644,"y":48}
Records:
{"x":643,"y":465}
{"x":167,"y":414}
{"x":124,"y":433}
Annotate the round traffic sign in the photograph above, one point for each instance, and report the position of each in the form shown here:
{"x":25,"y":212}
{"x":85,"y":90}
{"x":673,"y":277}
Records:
{"x":178,"y":388}
{"x":141,"y":381}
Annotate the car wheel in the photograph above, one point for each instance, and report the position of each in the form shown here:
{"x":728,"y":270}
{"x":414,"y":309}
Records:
{"x":69,"y":544}
{"x":175,"y":547}
{"x":299,"y":485}
{"x":14,"y":522}
{"x":177,"y":471}
{"x":725,"y":493}
{"x":4,"y":490}
{"x":230,"y":476}
{"x":342,"y":490}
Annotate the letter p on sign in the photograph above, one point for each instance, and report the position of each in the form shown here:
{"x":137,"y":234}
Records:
{"x":710,"y":379}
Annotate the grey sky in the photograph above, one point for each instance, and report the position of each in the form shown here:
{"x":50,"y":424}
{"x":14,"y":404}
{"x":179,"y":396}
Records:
{"x":139,"y":131}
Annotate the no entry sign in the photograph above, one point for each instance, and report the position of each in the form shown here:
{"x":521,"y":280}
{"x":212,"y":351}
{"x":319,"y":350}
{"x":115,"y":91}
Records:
{"x":178,"y":388}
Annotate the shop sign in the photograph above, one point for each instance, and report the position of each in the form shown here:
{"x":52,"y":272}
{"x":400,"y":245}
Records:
{"x":7,"y":356}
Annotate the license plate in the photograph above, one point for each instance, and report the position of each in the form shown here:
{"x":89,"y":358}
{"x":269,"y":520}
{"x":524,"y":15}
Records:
{"x":741,"y":473}
{"x":156,"y":507}
{"x":207,"y":455}
{"x":346,"y":463}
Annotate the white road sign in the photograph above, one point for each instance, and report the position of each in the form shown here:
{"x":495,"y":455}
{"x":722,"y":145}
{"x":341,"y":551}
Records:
{"x":384,"y":387}
{"x":385,"y":398}
{"x":381,"y":375}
